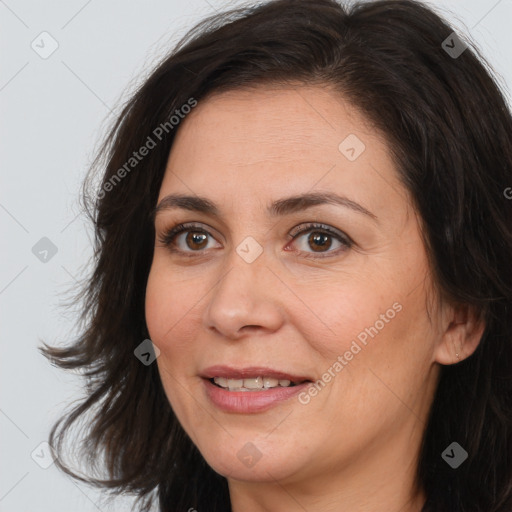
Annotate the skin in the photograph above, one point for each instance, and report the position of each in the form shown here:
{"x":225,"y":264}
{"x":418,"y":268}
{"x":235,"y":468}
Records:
{"x":354,"y":446}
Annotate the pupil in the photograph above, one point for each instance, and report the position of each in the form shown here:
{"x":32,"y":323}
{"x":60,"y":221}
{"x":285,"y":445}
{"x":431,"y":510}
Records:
{"x":319,"y":239}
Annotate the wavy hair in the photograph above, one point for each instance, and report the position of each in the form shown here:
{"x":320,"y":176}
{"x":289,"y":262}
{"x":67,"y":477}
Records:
{"x":449,"y":128}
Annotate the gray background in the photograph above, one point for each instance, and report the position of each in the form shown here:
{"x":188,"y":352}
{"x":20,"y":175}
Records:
{"x":54,"y":112}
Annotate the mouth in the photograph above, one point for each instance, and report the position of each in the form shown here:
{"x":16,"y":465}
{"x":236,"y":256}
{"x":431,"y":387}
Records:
{"x":253,"y":378}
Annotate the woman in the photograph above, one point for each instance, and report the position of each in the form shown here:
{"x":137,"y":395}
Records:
{"x":302,"y":296}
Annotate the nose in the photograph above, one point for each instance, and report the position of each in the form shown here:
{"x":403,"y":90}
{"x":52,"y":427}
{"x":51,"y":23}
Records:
{"x":246,"y":300}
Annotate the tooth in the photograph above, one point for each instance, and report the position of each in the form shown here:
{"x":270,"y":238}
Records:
{"x":221,"y":381}
{"x":253,"y":383}
{"x":256,"y":383}
{"x":269,"y":382}
{"x":235,"y":383}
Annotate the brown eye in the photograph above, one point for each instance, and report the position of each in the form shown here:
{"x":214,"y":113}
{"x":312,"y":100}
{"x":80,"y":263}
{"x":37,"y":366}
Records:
{"x":186,"y":238}
{"x":320,"y":240}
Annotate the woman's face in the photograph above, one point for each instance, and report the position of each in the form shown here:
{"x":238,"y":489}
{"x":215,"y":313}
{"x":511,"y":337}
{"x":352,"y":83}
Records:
{"x":252,"y":286}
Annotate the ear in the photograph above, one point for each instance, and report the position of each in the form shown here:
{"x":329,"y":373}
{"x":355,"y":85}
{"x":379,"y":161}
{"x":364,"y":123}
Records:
{"x":463,"y":328}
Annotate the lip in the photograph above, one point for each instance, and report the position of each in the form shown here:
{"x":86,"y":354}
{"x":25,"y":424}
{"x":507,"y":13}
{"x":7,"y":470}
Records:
{"x":229,"y":372}
{"x":250,"y":402}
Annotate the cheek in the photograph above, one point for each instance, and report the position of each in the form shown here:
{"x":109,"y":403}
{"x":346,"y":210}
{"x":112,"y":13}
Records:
{"x":173,"y":308}
{"x":169,"y":303}
{"x":155,"y":305}
{"x":341,"y":312}
{"x":169,"y":319}
{"x":372,"y":342}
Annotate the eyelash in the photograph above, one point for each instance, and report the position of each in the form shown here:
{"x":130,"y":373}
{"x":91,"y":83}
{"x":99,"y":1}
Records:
{"x":168,"y":236}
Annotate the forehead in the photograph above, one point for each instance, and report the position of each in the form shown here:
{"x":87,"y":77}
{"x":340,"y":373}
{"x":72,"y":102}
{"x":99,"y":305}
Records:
{"x":278,"y":141}
{"x":270,"y":120}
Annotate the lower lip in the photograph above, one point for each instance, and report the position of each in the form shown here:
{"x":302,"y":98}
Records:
{"x":246,"y":402}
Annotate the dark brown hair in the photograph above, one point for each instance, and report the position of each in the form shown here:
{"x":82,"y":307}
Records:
{"x":450,"y":131}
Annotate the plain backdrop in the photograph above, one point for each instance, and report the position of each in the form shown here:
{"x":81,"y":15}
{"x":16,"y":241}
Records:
{"x":54,"y":110}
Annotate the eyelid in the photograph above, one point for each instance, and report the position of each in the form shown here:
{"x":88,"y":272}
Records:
{"x":310,"y":226}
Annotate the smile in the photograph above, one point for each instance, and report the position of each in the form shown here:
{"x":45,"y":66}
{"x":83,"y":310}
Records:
{"x":250,"y":390}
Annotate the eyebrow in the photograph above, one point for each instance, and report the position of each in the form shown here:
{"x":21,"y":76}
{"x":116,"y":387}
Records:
{"x":279,"y":207}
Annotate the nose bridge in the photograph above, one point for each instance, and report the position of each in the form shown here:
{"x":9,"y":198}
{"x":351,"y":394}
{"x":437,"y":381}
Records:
{"x":243,"y":296}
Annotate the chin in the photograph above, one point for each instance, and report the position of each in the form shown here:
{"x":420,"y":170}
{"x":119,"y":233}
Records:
{"x":252,"y":463}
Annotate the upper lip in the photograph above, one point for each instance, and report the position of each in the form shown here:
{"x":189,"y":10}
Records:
{"x":229,"y":372}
